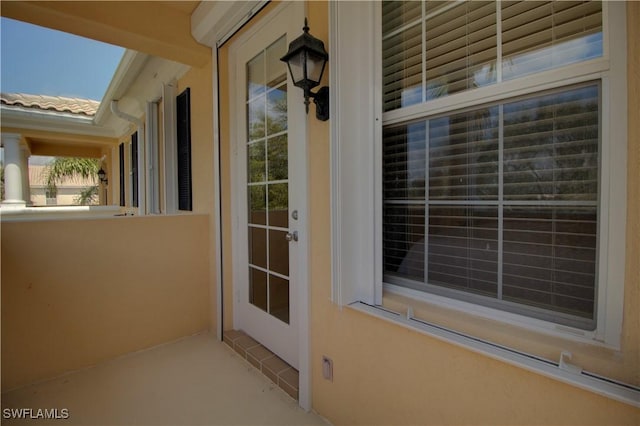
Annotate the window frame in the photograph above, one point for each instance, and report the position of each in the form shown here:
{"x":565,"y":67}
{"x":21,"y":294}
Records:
{"x":357,"y":266}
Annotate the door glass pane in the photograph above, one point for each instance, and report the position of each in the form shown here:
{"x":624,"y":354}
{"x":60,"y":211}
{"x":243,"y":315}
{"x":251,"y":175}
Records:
{"x":258,"y":204}
{"x":256,"y":118}
{"x":277,"y":110}
{"x":255,"y":76}
{"x":277,"y":158}
{"x":267,"y":181}
{"x":256,"y":161}
{"x":276,"y":69}
{"x":279,"y":298}
{"x":258,"y":288}
{"x":278,"y":205}
{"x":278,"y":252}
{"x":258,"y":247}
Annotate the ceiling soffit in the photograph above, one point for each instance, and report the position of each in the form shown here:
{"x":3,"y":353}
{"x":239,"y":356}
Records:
{"x":150,"y":27}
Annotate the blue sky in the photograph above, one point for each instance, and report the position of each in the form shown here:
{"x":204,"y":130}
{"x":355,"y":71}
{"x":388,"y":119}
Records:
{"x":41,"y":61}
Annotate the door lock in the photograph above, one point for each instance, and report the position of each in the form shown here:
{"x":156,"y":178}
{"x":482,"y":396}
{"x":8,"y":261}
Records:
{"x":292,"y":236}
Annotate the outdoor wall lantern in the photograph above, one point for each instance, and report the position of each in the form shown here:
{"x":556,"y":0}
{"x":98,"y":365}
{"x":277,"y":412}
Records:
{"x":102,"y":175}
{"x":306,"y":59}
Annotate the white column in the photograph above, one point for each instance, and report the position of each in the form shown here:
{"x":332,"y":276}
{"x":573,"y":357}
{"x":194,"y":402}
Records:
{"x":12,"y":171}
{"x":25,"y":153}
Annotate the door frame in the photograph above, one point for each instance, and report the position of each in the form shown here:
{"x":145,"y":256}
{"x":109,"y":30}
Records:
{"x":296,"y":11}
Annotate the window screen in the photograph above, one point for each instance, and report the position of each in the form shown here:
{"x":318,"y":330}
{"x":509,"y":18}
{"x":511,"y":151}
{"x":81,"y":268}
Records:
{"x":498,"y":204}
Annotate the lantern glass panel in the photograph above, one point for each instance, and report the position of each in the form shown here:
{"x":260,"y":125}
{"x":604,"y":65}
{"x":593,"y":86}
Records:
{"x":315,"y":67}
{"x":296,"y":67}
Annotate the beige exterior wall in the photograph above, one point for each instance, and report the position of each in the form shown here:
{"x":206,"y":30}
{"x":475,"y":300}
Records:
{"x":387,"y":374}
{"x":114,"y":286}
{"x":199,"y":80}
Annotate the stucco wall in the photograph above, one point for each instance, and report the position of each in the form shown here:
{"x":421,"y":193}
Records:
{"x":78,"y":292}
{"x":199,"y":80}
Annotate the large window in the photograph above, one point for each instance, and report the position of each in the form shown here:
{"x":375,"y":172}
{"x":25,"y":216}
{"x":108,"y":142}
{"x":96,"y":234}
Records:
{"x":491,"y":163}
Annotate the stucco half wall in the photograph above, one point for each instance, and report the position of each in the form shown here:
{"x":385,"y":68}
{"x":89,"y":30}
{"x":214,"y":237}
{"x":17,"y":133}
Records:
{"x":79,"y":292}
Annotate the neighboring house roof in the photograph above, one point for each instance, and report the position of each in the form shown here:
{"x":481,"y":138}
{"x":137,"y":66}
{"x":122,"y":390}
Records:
{"x":86,"y":107}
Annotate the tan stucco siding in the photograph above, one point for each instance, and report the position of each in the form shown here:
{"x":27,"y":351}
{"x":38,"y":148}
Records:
{"x":113,"y":286}
{"x":199,"y":82}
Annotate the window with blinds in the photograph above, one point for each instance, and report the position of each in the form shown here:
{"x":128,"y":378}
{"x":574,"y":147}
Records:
{"x":494,"y":204}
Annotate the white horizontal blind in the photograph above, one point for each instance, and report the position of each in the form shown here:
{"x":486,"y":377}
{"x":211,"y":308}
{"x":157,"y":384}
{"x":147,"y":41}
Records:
{"x":537,"y":36}
{"x":434,"y":49}
{"x":551,"y":147}
{"x":463,"y":156}
{"x":402,"y":54}
{"x":460,"y":46}
{"x":498,"y":204}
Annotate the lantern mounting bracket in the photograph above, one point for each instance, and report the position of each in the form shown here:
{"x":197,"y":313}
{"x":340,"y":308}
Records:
{"x":321,"y":99}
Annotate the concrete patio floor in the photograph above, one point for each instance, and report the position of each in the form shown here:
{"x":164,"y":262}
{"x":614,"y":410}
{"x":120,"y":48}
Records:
{"x":194,"y":381}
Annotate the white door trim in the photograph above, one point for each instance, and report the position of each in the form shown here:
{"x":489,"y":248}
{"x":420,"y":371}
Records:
{"x":300,"y":162}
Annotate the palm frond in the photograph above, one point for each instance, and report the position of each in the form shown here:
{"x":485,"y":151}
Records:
{"x":87,"y":196}
{"x":61,"y":168}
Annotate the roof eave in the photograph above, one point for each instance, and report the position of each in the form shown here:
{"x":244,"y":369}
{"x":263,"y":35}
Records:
{"x":53,"y":121}
{"x":124,"y":76}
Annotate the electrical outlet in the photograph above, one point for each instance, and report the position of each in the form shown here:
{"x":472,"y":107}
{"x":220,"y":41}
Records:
{"x":327,"y":368}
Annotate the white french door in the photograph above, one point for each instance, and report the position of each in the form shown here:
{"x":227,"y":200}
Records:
{"x":269,"y":161}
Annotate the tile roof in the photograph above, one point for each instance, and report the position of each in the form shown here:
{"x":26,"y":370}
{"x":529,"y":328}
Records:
{"x":51,"y":103}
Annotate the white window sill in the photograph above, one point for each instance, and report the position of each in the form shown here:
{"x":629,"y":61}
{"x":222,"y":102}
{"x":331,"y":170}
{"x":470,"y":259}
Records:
{"x":463,"y":308}
{"x":582,"y":379}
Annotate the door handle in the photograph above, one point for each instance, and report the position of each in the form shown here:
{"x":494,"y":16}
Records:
{"x":292,"y":236}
